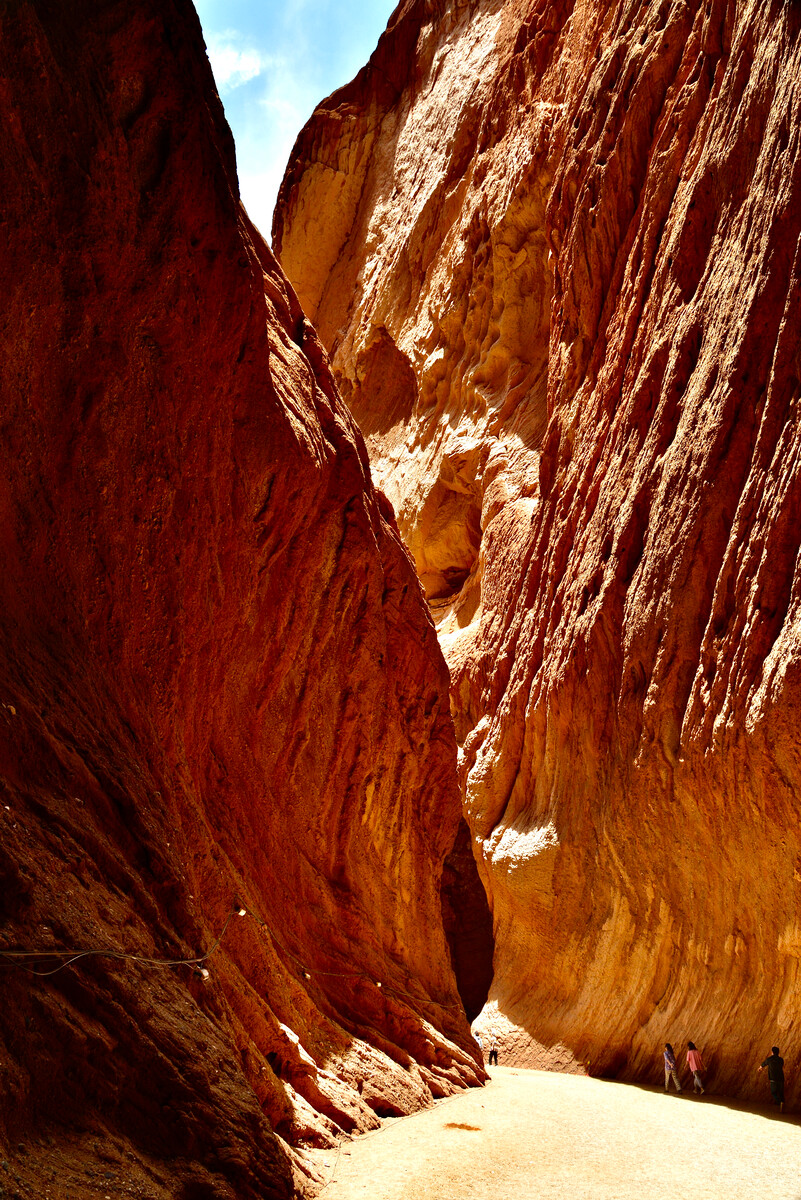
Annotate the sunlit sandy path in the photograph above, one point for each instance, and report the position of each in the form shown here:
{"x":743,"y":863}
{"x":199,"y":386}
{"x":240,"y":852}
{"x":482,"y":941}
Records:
{"x":544,"y":1136}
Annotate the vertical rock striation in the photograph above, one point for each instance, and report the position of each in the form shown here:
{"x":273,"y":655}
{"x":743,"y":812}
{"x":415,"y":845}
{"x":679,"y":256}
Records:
{"x":219,"y":685}
{"x":557,"y":267}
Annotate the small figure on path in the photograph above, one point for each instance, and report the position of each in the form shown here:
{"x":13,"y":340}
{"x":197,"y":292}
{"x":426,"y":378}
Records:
{"x":670,"y":1068}
{"x":775,"y":1066}
{"x":477,"y":1036}
{"x":493,"y":1054}
{"x":696,"y":1065}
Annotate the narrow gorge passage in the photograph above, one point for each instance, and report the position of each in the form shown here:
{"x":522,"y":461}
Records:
{"x":530,"y":1135}
{"x":425,"y":585}
{"x":553,"y":248}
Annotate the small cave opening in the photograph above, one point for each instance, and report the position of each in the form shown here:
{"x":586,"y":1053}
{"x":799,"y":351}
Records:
{"x":450,"y":534}
{"x":467,"y":920}
{"x":386,"y":393}
{"x":454,"y":580}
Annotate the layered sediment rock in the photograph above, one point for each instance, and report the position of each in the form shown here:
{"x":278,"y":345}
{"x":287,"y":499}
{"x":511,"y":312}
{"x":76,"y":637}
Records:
{"x":556,"y":262}
{"x":219,"y":684}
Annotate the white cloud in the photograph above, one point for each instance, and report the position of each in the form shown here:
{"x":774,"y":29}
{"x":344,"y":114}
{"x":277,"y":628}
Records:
{"x":273,"y":62}
{"x":232,"y":63}
{"x":265,"y":149}
{"x":279,"y":105}
{"x":259,"y":190}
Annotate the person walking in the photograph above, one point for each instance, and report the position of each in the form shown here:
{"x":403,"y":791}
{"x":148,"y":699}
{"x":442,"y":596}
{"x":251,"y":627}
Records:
{"x":477,"y":1036}
{"x":670,"y":1068}
{"x":696,"y":1065}
{"x":775,"y":1066}
{"x":493,"y":1054}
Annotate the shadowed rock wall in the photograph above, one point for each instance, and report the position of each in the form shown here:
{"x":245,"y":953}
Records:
{"x":218,"y":679}
{"x":558,"y":271}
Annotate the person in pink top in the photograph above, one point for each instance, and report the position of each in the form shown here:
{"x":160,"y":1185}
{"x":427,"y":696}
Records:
{"x":696,"y":1065}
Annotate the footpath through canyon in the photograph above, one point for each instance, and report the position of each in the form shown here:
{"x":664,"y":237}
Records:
{"x":552,"y":1136}
{"x":400,"y":626}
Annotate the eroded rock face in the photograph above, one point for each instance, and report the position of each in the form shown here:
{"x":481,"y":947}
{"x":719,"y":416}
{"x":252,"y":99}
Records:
{"x":561,"y":290}
{"x":219,"y":684}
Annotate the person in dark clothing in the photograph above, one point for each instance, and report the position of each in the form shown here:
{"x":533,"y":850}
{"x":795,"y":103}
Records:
{"x":775,"y":1066}
{"x":670,"y":1067}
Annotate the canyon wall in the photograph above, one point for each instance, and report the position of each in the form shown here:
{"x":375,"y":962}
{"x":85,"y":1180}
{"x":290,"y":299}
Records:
{"x":220,"y":686}
{"x":553,"y":247}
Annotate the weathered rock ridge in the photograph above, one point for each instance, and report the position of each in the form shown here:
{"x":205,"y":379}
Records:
{"x":553,"y":248}
{"x":219,"y":683}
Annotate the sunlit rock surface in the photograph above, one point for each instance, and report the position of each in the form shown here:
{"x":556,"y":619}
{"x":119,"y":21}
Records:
{"x":517,"y":1048}
{"x":219,"y":684}
{"x":553,"y":249}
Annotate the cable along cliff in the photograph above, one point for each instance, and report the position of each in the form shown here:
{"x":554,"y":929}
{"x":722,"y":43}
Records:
{"x":220,"y":687}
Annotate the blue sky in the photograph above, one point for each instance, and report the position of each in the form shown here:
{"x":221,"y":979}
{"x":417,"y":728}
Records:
{"x":273,"y":62}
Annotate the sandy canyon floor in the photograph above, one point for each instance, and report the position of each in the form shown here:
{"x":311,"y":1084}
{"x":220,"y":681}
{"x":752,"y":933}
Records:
{"x":531,"y":1135}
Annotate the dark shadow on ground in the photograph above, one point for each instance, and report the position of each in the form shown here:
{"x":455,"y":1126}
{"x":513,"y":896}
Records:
{"x":759,"y":1110}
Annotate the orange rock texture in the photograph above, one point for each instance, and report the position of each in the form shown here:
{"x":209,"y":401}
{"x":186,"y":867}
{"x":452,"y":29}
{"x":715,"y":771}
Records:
{"x":553,"y":248}
{"x":219,"y":682}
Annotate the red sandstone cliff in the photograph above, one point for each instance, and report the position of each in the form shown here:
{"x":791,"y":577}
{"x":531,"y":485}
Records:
{"x":218,"y":679}
{"x":553,"y":248}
